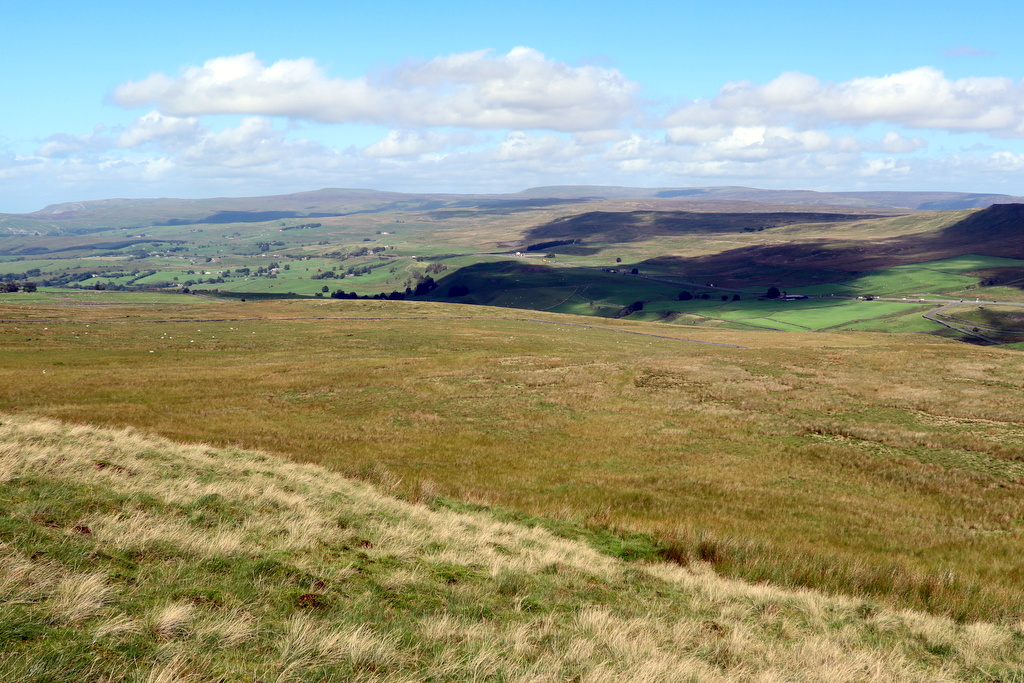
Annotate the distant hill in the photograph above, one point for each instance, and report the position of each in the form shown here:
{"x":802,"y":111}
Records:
{"x":919,"y":201}
{"x":87,"y":216}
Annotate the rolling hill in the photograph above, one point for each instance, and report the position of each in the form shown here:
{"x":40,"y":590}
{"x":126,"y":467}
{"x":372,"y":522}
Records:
{"x":86,"y":216}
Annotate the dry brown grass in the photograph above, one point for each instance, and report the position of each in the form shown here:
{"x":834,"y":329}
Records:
{"x":426,"y":595}
{"x":872,"y":463}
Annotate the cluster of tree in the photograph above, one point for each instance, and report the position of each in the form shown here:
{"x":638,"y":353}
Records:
{"x":100,"y":286}
{"x":11,"y":277}
{"x":436,"y":268}
{"x":304,"y":226}
{"x":65,"y":279}
{"x":688,"y":296}
{"x":396,"y":295}
{"x":10,"y":286}
{"x":265,"y":246}
{"x":200,"y":281}
{"x":355,"y":253}
{"x":267,"y":271}
{"x":365,"y":268}
{"x":632,"y":308}
{"x":424,"y":286}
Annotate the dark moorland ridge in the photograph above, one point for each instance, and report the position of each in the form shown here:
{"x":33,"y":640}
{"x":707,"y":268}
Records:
{"x":995,"y":231}
{"x":110,"y":213}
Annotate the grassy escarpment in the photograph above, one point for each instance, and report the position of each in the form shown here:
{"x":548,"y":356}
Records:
{"x":131,"y":558}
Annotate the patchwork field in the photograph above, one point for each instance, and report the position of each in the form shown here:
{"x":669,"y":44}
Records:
{"x":882,"y":466}
{"x":575,"y":254}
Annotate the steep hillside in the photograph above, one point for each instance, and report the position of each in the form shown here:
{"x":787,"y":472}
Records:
{"x":632,"y":226}
{"x":995,"y":231}
{"x":130,"y":558}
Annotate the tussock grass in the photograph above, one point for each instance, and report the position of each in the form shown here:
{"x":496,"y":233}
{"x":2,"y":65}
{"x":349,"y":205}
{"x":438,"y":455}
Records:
{"x":883,"y":466}
{"x":330,"y":579}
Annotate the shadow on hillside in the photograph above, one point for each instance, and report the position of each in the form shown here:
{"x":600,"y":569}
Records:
{"x":995,"y":231}
{"x":633,"y":226}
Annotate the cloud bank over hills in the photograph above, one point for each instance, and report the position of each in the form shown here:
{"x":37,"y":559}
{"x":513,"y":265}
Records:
{"x":487,"y":121}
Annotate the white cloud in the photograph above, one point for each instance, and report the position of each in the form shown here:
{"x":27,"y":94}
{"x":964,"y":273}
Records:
{"x":156,"y":126}
{"x":520,"y":90}
{"x":253,"y":144}
{"x":520,"y":146}
{"x":479,"y":121}
{"x":62,"y":145}
{"x":894,"y":143}
{"x":921,"y":98}
{"x":409,"y":143}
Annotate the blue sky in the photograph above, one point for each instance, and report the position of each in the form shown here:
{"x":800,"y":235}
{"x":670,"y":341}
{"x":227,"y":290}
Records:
{"x":196,"y":99}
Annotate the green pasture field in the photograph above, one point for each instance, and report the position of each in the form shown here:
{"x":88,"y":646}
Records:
{"x":900,"y":322}
{"x":799,"y":314}
{"x":471,"y":243}
{"x":932,"y":277}
{"x":909,"y":280}
{"x":874,"y":465}
{"x":822,"y":317}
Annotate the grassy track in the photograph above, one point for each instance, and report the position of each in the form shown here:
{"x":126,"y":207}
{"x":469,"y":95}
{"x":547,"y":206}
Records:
{"x":855,"y":463}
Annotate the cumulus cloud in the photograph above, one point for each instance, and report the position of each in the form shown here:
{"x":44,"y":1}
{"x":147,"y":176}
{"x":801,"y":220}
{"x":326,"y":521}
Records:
{"x":480,"y":121}
{"x":62,"y":145}
{"x":922,"y":98}
{"x":253,"y":144}
{"x":894,"y":143}
{"x":520,"y":146}
{"x":519,"y":90}
{"x":156,"y":126}
{"x":410,"y":143}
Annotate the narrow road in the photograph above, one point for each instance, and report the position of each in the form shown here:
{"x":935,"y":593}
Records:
{"x":965,"y":328}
